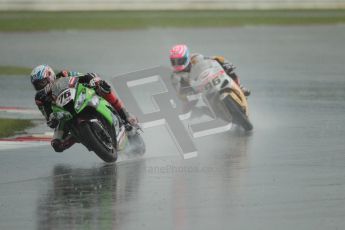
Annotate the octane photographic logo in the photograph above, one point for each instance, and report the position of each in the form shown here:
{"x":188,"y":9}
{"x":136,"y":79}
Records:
{"x":152,"y":88}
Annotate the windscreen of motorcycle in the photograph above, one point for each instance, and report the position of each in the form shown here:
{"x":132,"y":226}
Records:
{"x":61,"y":91}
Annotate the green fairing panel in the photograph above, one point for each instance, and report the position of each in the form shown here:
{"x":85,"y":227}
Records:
{"x":102,"y":107}
{"x":85,"y":95}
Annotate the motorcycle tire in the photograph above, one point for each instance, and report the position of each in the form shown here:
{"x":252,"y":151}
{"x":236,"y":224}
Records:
{"x":91,"y":136}
{"x":237,"y":113}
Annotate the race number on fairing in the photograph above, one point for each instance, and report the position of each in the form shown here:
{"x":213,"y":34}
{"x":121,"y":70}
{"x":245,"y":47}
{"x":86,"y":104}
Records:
{"x":65,"y":97}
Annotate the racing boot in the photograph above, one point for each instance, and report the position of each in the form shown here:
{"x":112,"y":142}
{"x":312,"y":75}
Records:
{"x":245,"y":91}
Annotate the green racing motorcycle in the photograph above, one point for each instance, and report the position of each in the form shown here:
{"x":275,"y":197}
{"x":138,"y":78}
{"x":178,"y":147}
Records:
{"x":92,"y":120}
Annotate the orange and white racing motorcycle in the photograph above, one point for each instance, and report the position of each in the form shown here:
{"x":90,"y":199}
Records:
{"x":210,"y":79}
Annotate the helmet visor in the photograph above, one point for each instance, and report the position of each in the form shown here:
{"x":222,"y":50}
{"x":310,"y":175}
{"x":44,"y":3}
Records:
{"x":178,"y":61}
{"x":40,"y":84}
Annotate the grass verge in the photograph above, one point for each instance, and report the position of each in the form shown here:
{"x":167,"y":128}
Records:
{"x":105,"y":20}
{"x":14,"y":70}
{"x":8,"y":127}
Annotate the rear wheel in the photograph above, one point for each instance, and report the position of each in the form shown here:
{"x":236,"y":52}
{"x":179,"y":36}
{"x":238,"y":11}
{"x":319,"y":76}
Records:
{"x":95,"y":137}
{"x":237,"y":113}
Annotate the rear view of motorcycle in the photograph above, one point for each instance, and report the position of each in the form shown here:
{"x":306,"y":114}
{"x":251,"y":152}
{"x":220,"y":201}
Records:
{"x":93,"y":121}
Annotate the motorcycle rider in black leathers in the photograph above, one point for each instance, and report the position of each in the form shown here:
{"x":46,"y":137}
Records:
{"x":42,"y":78}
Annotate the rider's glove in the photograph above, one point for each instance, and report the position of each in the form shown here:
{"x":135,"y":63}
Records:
{"x":91,"y":75}
{"x":92,"y":79}
{"x":54,"y":118}
{"x":52,"y":121}
{"x":228,"y":67}
{"x":63,"y":73}
{"x":104,"y":87}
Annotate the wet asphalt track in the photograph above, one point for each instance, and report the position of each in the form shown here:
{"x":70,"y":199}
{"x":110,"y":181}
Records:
{"x":288,"y":174}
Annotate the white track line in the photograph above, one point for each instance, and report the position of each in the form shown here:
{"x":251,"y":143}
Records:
{"x":6,"y":145}
{"x":19,"y":110}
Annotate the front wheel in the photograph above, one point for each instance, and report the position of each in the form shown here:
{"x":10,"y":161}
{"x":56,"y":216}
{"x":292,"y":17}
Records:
{"x":237,"y":113}
{"x":96,"y":138}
